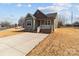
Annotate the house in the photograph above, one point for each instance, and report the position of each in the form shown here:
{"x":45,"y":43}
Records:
{"x":0,"y":25}
{"x":40,"y":22}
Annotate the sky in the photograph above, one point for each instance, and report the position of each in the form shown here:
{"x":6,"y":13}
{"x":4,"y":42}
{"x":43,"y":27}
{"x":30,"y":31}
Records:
{"x":12,"y":12}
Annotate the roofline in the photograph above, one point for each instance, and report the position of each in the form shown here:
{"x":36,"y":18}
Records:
{"x":40,"y":11}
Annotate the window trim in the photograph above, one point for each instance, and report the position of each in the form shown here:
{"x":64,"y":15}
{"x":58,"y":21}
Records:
{"x":30,"y":22}
{"x":47,"y":22}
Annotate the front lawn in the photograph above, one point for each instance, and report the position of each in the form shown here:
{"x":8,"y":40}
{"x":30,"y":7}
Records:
{"x":9,"y":32}
{"x":64,"y":41}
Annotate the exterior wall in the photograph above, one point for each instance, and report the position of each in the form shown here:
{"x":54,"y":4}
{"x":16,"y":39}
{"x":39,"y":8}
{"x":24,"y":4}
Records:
{"x":29,"y":28}
{"x":35,"y":23}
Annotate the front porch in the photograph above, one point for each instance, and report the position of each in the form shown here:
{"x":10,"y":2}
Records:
{"x":44,"y":25}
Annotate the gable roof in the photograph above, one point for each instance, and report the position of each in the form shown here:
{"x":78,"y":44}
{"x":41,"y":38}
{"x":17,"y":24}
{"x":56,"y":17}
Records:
{"x":52,"y":15}
{"x":39,"y":12}
{"x":36,"y":14}
{"x":29,"y":15}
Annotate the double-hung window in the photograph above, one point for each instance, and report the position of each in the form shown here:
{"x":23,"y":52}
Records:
{"x":47,"y":22}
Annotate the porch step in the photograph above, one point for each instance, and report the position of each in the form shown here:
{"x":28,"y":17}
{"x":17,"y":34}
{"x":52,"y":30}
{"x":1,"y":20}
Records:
{"x":38,"y":29}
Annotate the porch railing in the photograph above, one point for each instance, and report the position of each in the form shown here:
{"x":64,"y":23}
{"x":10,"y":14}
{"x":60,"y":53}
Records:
{"x":43,"y":27}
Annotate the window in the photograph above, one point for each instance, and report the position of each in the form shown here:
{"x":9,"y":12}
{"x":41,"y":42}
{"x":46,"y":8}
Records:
{"x":48,"y":22}
{"x":29,"y":22}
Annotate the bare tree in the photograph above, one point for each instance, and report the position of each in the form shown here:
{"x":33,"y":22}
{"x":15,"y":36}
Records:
{"x":5,"y":24}
{"x":21,"y":21}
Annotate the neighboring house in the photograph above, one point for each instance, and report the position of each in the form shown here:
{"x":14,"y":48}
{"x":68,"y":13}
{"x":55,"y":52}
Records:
{"x":40,"y":22}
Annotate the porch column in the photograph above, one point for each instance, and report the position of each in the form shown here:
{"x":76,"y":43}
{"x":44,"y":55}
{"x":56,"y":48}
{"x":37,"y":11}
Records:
{"x":34,"y":24}
{"x":53,"y":26}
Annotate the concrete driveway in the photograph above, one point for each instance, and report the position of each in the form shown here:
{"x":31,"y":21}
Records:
{"x":19,"y":45}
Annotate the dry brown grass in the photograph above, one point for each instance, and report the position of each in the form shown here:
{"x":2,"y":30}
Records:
{"x":64,"y":41}
{"x":9,"y":32}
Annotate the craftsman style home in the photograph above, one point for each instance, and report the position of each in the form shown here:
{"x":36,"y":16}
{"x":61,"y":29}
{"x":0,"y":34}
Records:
{"x":40,"y":22}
